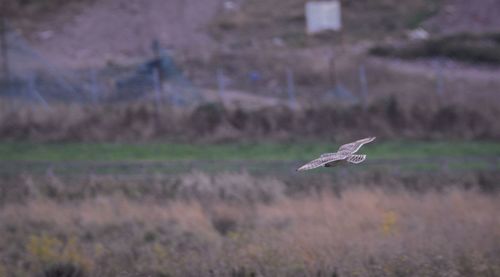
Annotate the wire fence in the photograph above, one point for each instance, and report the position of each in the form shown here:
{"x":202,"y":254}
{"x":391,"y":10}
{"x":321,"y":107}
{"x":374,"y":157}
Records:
{"x":30,"y":78}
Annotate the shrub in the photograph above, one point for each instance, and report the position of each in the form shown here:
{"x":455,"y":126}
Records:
{"x":63,"y":270}
{"x":475,"y":48}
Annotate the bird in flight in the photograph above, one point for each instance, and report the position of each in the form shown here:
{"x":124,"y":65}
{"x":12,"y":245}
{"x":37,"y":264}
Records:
{"x":345,"y":152}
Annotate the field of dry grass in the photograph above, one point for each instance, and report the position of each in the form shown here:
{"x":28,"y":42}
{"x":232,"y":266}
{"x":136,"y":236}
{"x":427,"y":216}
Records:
{"x":235,"y":224}
{"x":386,"y":117}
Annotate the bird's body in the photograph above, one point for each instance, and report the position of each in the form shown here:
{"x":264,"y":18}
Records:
{"x":344,"y":154}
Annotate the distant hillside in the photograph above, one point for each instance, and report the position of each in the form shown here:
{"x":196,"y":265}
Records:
{"x":265,"y":21}
{"x":89,"y":32}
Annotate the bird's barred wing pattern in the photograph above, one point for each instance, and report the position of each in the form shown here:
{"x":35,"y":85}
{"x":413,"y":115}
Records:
{"x":356,"y":159}
{"x":353,"y":147}
{"x":322,"y":161}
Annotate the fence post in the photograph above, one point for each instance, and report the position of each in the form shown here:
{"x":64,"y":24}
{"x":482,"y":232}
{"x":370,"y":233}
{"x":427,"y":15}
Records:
{"x":333,"y":77}
{"x":438,"y":65}
{"x":221,"y":85}
{"x":34,"y":92}
{"x":157,"y":88}
{"x":94,"y":86}
{"x":291,"y":88}
{"x":178,"y":92}
{"x":364,"y":85}
{"x":4,"y":48}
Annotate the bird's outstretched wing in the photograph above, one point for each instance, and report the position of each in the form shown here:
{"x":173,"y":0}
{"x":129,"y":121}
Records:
{"x":322,"y":161}
{"x":353,"y":147}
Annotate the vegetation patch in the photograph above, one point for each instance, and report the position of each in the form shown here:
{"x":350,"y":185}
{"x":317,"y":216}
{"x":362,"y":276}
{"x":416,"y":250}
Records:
{"x":467,"y":47}
{"x":16,"y":151}
{"x":260,"y":20}
{"x":215,"y":227}
{"x":37,"y":7}
{"x":386,"y":118}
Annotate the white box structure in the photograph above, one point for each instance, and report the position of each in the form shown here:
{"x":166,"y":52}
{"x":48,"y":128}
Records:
{"x":322,"y":16}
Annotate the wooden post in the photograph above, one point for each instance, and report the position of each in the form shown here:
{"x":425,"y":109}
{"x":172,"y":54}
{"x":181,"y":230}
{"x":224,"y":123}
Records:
{"x":4,"y":48}
{"x":158,"y":62}
{"x":94,"y":86}
{"x":291,"y":88}
{"x":333,"y":76}
{"x":439,"y":79}
{"x":221,"y":84}
{"x":157,"y":88}
{"x":34,"y":92}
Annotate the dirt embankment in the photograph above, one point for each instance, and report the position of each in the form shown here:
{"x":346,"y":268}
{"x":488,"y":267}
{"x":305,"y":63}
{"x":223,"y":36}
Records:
{"x":94,"y":33}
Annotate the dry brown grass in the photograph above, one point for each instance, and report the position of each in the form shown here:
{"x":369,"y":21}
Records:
{"x":387,"y":117}
{"x":360,"y":232}
{"x":234,"y":187}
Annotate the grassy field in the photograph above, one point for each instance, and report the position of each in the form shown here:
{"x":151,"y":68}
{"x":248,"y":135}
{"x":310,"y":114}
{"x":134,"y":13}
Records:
{"x":92,"y":209}
{"x":261,"y":151}
{"x":240,"y":225}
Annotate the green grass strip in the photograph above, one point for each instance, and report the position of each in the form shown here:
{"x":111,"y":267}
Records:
{"x":10,"y":151}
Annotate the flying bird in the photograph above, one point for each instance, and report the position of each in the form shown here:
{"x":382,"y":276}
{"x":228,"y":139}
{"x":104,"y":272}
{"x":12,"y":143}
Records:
{"x":345,"y":153}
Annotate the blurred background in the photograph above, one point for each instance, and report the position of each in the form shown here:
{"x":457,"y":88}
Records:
{"x":161,"y":137}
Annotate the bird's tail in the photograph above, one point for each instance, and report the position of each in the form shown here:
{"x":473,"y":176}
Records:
{"x":356,"y":159}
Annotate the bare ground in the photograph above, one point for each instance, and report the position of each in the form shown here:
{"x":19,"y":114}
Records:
{"x":117,"y":31}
